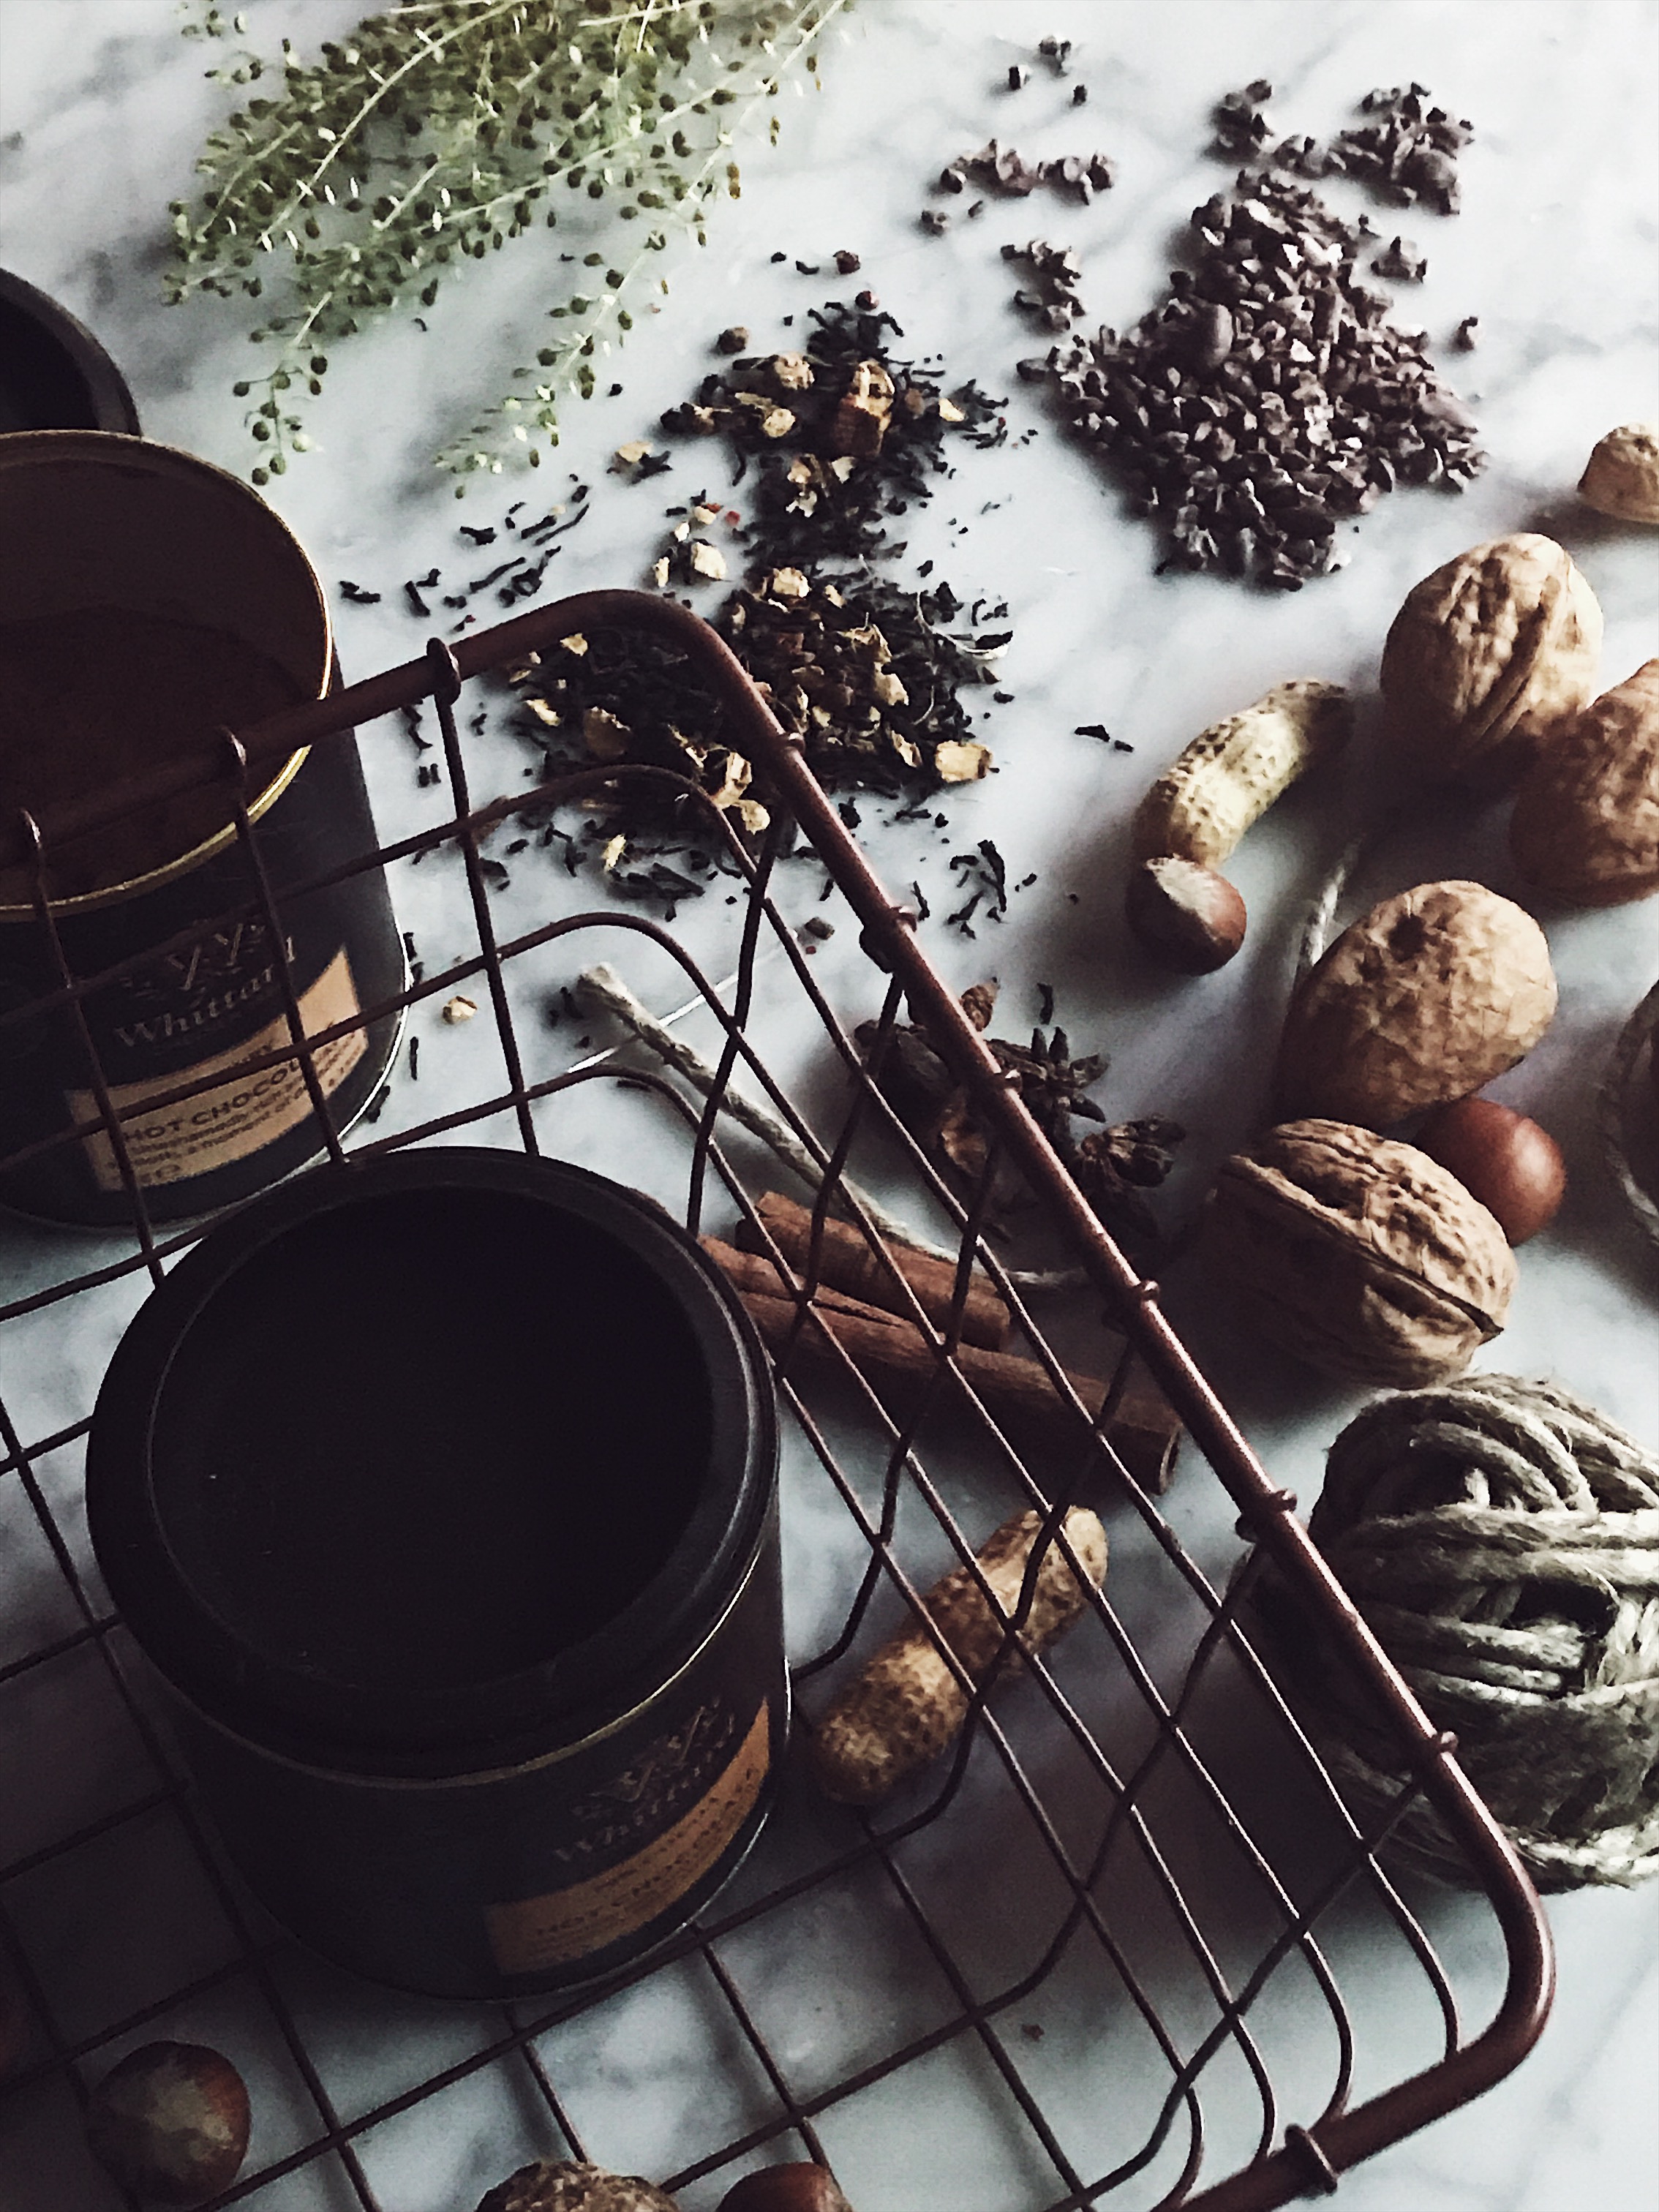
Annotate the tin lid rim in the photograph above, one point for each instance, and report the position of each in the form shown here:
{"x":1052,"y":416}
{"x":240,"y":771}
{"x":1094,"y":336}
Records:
{"x":92,"y":374}
{"x":116,"y":448}
{"x":510,"y":1719}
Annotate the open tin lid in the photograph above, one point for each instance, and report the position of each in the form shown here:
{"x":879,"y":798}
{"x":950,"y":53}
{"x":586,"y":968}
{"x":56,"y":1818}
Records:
{"x":430,"y":1454}
{"x":54,"y":375}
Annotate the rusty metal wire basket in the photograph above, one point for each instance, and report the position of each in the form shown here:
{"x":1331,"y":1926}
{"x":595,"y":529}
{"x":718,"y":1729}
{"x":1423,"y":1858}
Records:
{"x":1124,"y":1945}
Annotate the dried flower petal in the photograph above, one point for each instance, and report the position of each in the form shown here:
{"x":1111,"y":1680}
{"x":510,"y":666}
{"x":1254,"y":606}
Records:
{"x":962,"y":760}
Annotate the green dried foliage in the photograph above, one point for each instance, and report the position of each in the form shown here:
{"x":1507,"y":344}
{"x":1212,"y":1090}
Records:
{"x":438,"y":130}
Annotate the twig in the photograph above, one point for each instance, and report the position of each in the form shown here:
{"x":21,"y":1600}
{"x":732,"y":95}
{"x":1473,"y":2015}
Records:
{"x":605,"y":989}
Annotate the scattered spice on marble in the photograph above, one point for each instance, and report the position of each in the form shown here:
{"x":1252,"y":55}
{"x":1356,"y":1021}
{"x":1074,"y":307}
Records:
{"x":1052,"y":296}
{"x":1113,"y":1165}
{"x":865,"y":436}
{"x":357,"y":595}
{"x":1463,"y":337}
{"x":983,"y":874}
{"x":832,"y":443}
{"x":1004,"y":170}
{"x":1406,"y":152}
{"x":1400,"y":262}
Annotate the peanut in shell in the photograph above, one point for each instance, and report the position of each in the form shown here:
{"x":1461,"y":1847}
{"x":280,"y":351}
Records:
{"x":1232,"y":773}
{"x":906,"y":1705}
{"x":1424,"y":1000}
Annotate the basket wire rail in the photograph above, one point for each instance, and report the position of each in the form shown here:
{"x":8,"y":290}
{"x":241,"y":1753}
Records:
{"x":1131,"y":1892}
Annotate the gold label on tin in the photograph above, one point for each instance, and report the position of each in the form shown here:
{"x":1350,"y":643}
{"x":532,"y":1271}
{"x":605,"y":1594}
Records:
{"x":238,"y":1116}
{"x":538,"y":1932}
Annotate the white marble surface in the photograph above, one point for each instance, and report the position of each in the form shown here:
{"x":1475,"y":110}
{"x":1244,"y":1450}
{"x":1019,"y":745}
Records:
{"x":1555,"y":252}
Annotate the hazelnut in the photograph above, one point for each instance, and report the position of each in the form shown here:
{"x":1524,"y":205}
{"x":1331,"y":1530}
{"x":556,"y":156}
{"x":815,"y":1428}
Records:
{"x":786,"y":2189}
{"x":1511,"y":1165}
{"x":1190,"y":917}
{"x":171,"y":2122}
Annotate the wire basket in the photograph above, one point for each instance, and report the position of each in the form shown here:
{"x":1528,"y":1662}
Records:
{"x":1124,"y":1945}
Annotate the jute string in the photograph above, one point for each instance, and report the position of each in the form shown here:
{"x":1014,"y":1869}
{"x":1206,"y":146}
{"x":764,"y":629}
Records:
{"x":1501,"y":1540}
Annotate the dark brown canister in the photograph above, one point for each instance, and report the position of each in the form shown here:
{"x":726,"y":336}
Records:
{"x":440,"y":1487}
{"x":146,"y":597}
{"x":53,"y":373}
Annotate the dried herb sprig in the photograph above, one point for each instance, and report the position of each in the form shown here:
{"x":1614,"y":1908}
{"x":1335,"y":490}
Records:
{"x":440,"y":129}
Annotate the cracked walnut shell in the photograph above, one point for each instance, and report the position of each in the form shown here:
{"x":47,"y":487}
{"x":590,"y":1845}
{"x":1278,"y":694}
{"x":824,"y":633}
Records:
{"x":1488,"y":658}
{"x":1359,"y":1255}
{"x":1422,"y":1001}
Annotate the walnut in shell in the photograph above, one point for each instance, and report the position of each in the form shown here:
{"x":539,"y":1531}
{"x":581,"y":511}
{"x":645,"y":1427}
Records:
{"x":567,"y":2186}
{"x":1359,"y":1255}
{"x":1488,"y":658}
{"x":1586,"y":824}
{"x":1422,"y":1001}
{"x":1621,"y":478}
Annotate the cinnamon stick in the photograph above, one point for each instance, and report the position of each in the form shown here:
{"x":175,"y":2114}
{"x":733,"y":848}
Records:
{"x":898,"y":1361}
{"x":845,"y":1262}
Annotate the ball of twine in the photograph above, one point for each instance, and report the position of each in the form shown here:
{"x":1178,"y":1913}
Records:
{"x":1501,"y":1540}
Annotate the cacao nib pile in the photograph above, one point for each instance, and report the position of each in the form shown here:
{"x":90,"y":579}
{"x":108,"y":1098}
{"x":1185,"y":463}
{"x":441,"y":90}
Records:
{"x":1268,"y":398}
{"x":828,"y":446}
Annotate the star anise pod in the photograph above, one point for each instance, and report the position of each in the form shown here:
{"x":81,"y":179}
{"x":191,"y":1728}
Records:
{"x":1052,"y":1084}
{"x":1113,"y":1164}
{"x":1140,"y":1152}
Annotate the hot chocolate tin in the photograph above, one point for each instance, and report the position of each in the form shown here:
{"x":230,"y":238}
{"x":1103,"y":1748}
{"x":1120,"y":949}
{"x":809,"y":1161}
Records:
{"x":441,"y":1489}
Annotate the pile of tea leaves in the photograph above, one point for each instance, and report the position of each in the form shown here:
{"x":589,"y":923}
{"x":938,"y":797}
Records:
{"x":828,"y":447}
